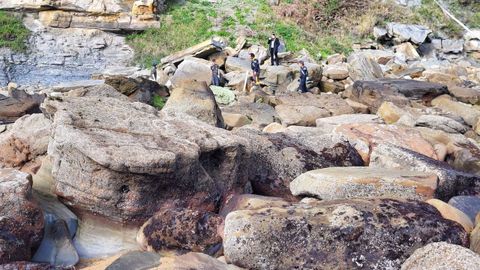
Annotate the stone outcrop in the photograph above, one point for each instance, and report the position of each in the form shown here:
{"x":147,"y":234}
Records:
{"x":137,"y":89}
{"x":364,"y":182}
{"x":347,"y":234}
{"x":126,"y":159}
{"x":21,"y":220}
{"x":279,"y":158}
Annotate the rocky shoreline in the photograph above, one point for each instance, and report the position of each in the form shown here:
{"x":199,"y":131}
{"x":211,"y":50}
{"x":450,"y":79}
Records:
{"x":377,"y":167}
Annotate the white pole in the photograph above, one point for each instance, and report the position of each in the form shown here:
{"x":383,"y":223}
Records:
{"x":451,"y":16}
{"x":245,"y":84}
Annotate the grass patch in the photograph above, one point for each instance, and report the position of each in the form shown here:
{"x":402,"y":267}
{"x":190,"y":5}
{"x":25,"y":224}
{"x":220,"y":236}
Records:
{"x":158,"y":102}
{"x":13,"y":34}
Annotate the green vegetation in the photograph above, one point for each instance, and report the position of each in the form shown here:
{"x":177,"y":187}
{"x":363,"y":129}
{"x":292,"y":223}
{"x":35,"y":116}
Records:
{"x":158,"y":102}
{"x":13,"y":33}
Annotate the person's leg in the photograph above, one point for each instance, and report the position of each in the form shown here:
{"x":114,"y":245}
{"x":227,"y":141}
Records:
{"x":272,"y":57}
{"x":216,"y":81}
{"x":277,"y":61}
{"x":303,"y":86}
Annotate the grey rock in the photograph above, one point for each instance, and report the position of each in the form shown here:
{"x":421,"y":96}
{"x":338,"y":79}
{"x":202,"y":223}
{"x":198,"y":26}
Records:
{"x":363,"y":68}
{"x":17,"y":104}
{"x":57,"y":211}
{"x":56,"y":247}
{"x":451,"y":181}
{"x":441,"y":123}
{"x":442,"y":255}
{"x":192,"y":68}
{"x":408,"y":32}
{"x":261,"y":114}
{"x":452,"y":46}
{"x":237,"y":64}
{"x":470,"y":205}
{"x":398,"y":91}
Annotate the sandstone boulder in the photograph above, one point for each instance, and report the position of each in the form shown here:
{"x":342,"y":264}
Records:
{"x":330,"y":123}
{"x":399,"y":92}
{"x":279,"y":158}
{"x":364,"y":182}
{"x":171,"y":160}
{"x":193,"y":260}
{"x":451,"y":182}
{"x":334,"y":104}
{"x":466,"y":95}
{"x":195,"y":99}
{"x":441,"y":123}
{"x":261,"y":114}
{"x":448,"y":105}
{"x":18,"y":104}
{"x":452,"y":213}
{"x":442,"y":255}
{"x":339,"y":234}
{"x":137,"y":89}
{"x":300,"y":115}
{"x":237,"y":64}
{"x":363,"y":68}
{"x":470,"y":205}
{"x":251,"y":202}
{"x":21,"y":220}
{"x":184,"y":229}
{"x":366,"y":137}
{"x":25,"y":142}
{"x":192,"y":68}
{"x":337,"y":71}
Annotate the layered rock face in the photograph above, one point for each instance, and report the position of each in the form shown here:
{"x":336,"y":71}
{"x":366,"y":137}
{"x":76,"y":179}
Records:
{"x":340,"y":234}
{"x":99,"y":14}
{"x":21,"y":220}
{"x":126,"y":160}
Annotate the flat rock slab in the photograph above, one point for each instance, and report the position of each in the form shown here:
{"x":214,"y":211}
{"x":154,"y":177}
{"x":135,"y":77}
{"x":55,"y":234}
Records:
{"x":470,"y":205}
{"x":364,"y":182}
{"x":18,"y":104}
{"x":193,"y":260}
{"x":339,"y":234}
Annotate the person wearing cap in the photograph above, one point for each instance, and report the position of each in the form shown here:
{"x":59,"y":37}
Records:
{"x":215,"y":75}
{"x":255,"y":65}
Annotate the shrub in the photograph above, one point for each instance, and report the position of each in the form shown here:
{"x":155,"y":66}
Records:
{"x":158,"y":102}
{"x":13,"y":34}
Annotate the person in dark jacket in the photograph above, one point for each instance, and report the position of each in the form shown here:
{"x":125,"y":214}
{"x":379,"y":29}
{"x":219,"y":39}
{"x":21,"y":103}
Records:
{"x":273,"y":45}
{"x":153,"y":72}
{"x":303,"y":77}
{"x":215,"y":74}
{"x":255,"y":65}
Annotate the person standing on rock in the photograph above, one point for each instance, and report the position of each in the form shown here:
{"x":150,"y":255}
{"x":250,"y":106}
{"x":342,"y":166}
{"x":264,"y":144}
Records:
{"x":153,"y":73}
{"x":274,"y":44}
{"x":215,"y":74}
{"x":303,"y":77}
{"x":255,"y":65}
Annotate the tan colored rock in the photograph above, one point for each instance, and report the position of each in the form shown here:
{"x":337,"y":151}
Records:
{"x":452,"y":213}
{"x":365,"y":137}
{"x":408,"y":51}
{"x":300,"y":115}
{"x":438,"y":76}
{"x":337,"y":71}
{"x":194,"y":260}
{"x":200,"y":50}
{"x":475,"y":239}
{"x":251,"y":202}
{"x":274,"y":128}
{"x":336,"y":58}
{"x":466,"y":95}
{"x":233,"y":120}
{"x":364,"y":182}
{"x":390,"y":113}
{"x":357,"y":106}
{"x":467,"y":112}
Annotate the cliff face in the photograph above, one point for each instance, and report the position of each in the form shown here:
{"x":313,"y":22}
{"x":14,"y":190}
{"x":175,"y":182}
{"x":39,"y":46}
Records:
{"x":111,"y":15}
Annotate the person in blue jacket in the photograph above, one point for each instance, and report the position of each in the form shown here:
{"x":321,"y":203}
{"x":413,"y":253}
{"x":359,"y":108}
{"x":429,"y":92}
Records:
{"x":215,"y":73}
{"x":273,"y":45}
{"x":303,"y":77}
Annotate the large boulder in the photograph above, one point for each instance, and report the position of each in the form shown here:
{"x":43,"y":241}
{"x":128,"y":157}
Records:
{"x":330,"y":123}
{"x":300,"y":115}
{"x":195,"y":99}
{"x":362,"y":67}
{"x":400,"y":92}
{"x":180,"y":228}
{"x":416,"y":34}
{"x":451,"y":182}
{"x":443,"y":123}
{"x":25,"y":142}
{"x":261,"y":114}
{"x":277,"y":159}
{"x":364,"y":182}
{"x":126,"y":160}
{"x":469,"y":114}
{"x":192,"y":68}
{"x":17,"y":104}
{"x":339,"y":234}
{"x":366,"y":137}
{"x":237,"y":64}
{"x":334,"y":104}
{"x":21,"y":220}
{"x":442,"y":255}
{"x":449,"y":212}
